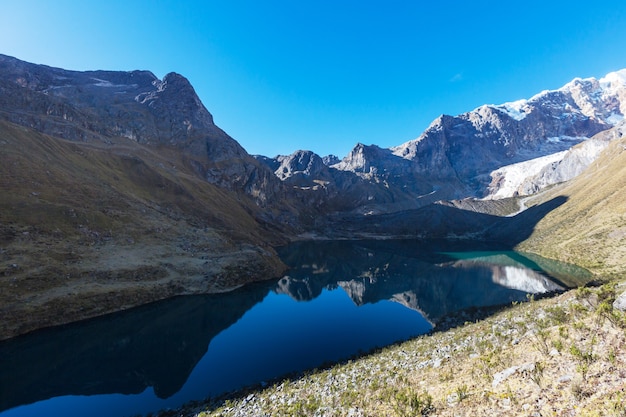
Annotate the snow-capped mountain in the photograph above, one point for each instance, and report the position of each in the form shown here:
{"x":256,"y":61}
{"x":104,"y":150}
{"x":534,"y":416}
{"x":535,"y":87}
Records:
{"x":493,"y":151}
{"x":529,"y":177}
{"x":603,"y":99}
{"x":472,"y":145}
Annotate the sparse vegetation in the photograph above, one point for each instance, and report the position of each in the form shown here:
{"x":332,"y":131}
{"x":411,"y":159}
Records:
{"x":138,"y":226}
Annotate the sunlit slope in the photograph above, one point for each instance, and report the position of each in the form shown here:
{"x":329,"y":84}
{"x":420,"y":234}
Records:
{"x":589,"y":229}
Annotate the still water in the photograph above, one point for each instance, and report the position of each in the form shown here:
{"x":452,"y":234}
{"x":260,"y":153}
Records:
{"x":339,"y":299}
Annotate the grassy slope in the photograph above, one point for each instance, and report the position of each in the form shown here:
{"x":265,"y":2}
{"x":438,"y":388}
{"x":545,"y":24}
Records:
{"x":86,"y":229}
{"x":589,"y":229}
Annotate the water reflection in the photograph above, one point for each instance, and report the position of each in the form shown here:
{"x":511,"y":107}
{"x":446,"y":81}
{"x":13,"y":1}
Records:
{"x":419,"y":275}
{"x":159,"y":345}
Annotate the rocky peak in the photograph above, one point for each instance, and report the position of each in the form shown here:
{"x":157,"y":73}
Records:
{"x":409,"y":150}
{"x":603,"y":99}
{"x":330,"y":160}
{"x":304,"y":163}
{"x":366,"y":160}
{"x":96,"y":106}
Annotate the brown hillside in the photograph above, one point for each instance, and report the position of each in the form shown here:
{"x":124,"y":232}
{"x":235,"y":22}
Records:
{"x":88,"y":228}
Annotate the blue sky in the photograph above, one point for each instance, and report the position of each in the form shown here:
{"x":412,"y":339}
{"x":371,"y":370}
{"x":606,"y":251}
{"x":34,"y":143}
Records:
{"x":323,"y":75}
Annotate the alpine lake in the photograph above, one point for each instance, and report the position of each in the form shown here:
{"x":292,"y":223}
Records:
{"x":340,"y":299}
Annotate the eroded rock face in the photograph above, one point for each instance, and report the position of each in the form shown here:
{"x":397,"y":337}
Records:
{"x":573,"y":163}
{"x":301,"y":165}
{"x":472,"y":144}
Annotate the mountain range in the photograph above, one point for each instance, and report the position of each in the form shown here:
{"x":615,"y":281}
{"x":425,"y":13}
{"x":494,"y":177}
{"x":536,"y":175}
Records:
{"x":117,"y":189}
{"x":494,"y":151}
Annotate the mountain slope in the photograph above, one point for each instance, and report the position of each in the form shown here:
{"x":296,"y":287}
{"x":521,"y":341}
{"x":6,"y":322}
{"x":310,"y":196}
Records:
{"x":95,"y":106}
{"x":472,"y":144}
{"x":118,"y":189}
{"x":89,"y":228}
{"x":590,"y":228}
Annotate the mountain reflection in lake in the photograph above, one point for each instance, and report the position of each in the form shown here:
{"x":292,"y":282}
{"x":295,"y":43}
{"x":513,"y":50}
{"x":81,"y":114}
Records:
{"x":338,"y":299}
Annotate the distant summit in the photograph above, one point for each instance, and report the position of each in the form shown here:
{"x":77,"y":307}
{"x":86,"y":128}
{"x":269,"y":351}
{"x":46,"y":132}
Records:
{"x":493,"y":151}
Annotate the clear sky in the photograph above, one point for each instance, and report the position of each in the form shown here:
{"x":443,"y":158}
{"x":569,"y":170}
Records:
{"x":323,"y":75}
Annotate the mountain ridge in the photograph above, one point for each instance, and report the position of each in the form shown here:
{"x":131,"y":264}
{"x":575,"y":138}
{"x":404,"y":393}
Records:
{"x":118,"y":189}
{"x":471,"y":149}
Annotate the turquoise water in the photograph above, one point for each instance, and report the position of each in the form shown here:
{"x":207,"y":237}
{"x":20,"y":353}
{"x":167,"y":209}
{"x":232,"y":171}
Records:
{"x":339,"y":299}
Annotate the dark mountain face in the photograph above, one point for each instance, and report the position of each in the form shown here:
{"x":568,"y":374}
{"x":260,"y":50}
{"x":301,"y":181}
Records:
{"x":95,"y":106}
{"x":124,"y":179}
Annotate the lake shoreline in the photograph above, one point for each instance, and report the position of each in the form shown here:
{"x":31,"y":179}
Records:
{"x":496,"y":365}
{"x":362,"y":295}
{"x":114,"y":277}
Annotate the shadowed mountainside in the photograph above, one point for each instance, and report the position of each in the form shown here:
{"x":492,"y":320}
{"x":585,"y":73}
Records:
{"x":87,"y":228}
{"x":118,"y":189}
{"x":437,"y":221}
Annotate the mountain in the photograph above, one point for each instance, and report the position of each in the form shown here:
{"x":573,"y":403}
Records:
{"x":589,"y":229}
{"x":529,"y":177}
{"x":473,"y":144}
{"x":118,"y":189}
{"x":95,"y":106}
{"x":493,"y":151}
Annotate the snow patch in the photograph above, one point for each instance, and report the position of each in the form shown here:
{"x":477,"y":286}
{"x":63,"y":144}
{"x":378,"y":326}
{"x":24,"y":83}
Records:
{"x":524,"y":280}
{"x":614,"y":119}
{"x":507,"y":180}
{"x":613,"y":80}
{"x":559,"y":139}
{"x":109,"y":84}
{"x":515,"y":109}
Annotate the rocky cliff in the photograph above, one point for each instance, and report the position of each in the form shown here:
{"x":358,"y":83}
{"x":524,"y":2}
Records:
{"x":96,"y":106}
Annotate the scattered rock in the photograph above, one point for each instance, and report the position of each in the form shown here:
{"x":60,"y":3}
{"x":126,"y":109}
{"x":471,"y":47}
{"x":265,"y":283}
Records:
{"x":565,"y":379}
{"x":527,"y":367}
{"x":620,"y":302}
{"x":503,"y":375}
